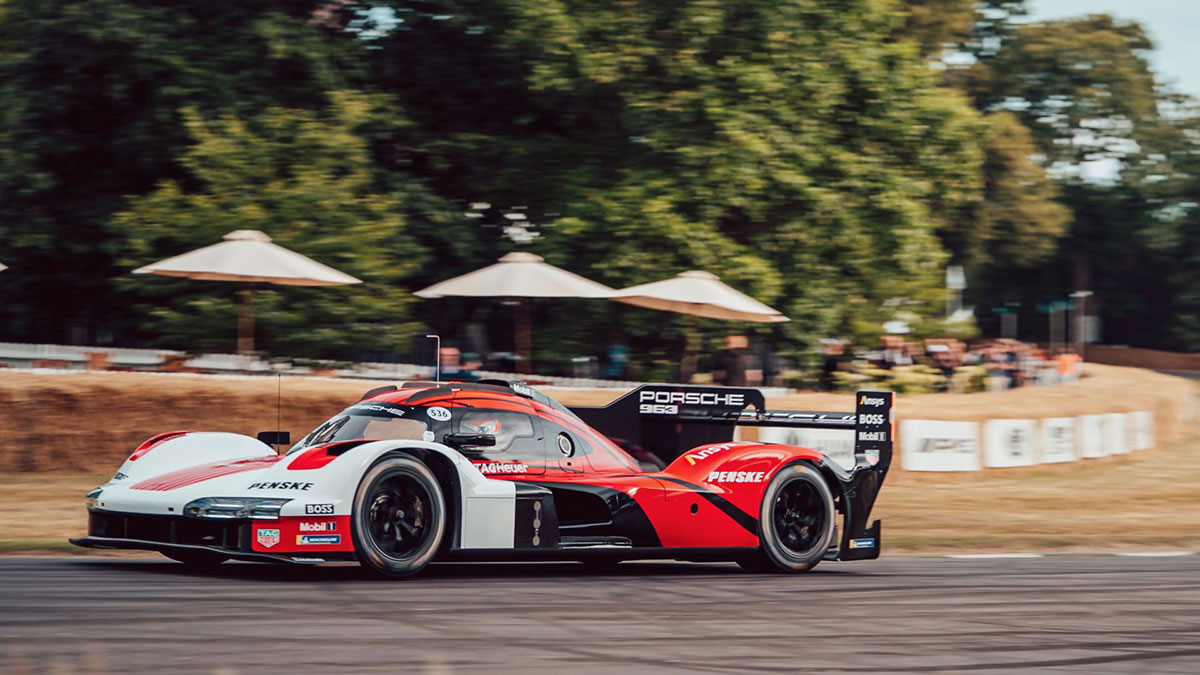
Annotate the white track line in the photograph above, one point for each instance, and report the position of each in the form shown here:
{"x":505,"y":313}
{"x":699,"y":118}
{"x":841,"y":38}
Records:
{"x":1156,"y":554}
{"x":984,"y":556}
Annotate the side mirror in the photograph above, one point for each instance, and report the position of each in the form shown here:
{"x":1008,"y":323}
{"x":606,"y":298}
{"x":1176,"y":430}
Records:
{"x":469,"y":442}
{"x":275,"y":438}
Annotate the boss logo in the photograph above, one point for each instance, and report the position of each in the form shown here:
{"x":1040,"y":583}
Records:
{"x":871,"y":418}
{"x":318,"y":509}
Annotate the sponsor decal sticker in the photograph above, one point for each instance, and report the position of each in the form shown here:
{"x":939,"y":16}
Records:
{"x":501,"y":467}
{"x":522,"y":388}
{"x":318,"y":509}
{"x":119,"y":476}
{"x":693,"y":457}
{"x":661,"y":402}
{"x":267,"y":538}
{"x":873,"y":401}
{"x":374,"y":407}
{"x":321,"y":526}
{"x":280,"y":485}
{"x":736,"y":476}
{"x":862,"y":543}
{"x":872,"y":456}
{"x":319,"y":539}
{"x":438,"y":413}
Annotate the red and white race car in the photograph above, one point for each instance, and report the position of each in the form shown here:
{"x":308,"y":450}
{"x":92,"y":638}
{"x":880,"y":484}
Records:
{"x":497,"y":470}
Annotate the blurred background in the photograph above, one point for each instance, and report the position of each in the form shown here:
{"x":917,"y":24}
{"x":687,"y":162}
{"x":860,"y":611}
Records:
{"x":967,"y":191}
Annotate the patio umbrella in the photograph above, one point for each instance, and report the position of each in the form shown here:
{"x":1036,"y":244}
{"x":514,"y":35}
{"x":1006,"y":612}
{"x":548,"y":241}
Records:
{"x":519,"y":275}
{"x":248,"y":256}
{"x":698,"y":294}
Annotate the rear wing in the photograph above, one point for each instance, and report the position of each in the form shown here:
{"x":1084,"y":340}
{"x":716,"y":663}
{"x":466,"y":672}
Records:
{"x":669,"y":420}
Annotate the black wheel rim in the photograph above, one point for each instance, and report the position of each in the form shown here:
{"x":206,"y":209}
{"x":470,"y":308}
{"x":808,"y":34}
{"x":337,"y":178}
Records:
{"x":399,"y":516}
{"x":799,"y":517}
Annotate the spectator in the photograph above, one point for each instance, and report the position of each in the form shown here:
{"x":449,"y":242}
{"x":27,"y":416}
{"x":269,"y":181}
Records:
{"x":729,"y":366}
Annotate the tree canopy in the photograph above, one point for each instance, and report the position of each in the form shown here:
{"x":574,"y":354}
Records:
{"x":827,"y":158}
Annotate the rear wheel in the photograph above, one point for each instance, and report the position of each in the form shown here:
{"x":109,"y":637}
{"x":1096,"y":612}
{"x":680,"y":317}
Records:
{"x":797,"y":522}
{"x":399,"y":517}
{"x":199,"y":559}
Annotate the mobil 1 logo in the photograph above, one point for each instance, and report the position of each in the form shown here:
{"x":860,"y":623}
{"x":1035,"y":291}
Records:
{"x":873,"y":419}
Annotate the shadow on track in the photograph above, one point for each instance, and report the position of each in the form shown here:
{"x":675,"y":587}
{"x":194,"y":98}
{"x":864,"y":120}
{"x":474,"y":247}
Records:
{"x":262,"y":572}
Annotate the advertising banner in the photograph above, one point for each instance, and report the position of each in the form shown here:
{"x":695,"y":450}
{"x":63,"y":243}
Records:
{"x":1091,"y":440}
{"x":1058,"y":440}
{"x":1112,"y":431}
{"x":1009,"y":443}
{"x":1141,"y":428}
{"x":929,"y":445}
{"x":836,"y":444}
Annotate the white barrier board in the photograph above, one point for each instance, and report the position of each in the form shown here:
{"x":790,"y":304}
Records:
{"x":836,"y":444}
{"x":929,"y":445}
{"x":1008,"y":443}
{"x":1091,"y":436}
{"x":1141,"y":429}
{"x":1112,"y":431}
{"x":1058,"y":440}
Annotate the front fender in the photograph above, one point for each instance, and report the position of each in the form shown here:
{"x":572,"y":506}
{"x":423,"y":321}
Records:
{"x":485,"y":507}
{"x":182,"y":449}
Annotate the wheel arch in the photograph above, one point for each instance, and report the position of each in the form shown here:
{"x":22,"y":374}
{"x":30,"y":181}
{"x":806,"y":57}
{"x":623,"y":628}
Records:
{"x":446,"y":473}
{"x":836,"y":485}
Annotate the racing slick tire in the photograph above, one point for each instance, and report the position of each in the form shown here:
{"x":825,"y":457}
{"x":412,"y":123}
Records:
{"x":197,"y":559}
{"x":797,"y":522}
{"x":399,"y":517}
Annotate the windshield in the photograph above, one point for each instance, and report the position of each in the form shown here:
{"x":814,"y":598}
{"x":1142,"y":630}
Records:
{"x":370,"y":421}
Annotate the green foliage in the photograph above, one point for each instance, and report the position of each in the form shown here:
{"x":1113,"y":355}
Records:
{"x":91,"y":94}
{"x":810,"y":153}
{"x":306,"y":180}
{"x":1018,"y":221}
{"x":1082,"y":86}
{"x":938,"y":24}
{"x":790,"y":147}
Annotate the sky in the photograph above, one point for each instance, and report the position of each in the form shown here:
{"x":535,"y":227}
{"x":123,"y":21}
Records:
{"x":1173,"y":25}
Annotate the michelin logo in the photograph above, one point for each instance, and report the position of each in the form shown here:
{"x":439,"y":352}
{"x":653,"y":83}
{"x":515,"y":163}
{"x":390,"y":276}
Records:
{"x":319,"y":539}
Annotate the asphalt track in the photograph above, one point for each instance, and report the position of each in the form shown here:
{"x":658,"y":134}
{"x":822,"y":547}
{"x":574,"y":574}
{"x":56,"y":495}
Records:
{"x":1079,"y":614}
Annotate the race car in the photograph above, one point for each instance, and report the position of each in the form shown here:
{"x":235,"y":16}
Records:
{"x":497,"y":470}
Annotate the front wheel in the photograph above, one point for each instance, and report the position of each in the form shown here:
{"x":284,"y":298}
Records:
{"x":796,"y":520}
{"x":399,"y":517}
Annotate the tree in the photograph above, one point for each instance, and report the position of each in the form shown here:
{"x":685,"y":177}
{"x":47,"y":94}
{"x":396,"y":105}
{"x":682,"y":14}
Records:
{"x":790,"y":147}
{"x":306,"y":179}
{"x":1019,"y":221}
{"x":91,"y":93}
{"x":1082,"y":86}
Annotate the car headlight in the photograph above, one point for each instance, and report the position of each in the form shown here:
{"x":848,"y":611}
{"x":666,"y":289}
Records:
{"x":228,"y":508}
{"x":92,"y":498}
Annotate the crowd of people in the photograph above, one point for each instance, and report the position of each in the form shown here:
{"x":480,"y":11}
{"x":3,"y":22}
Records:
{"x":945,"y":364}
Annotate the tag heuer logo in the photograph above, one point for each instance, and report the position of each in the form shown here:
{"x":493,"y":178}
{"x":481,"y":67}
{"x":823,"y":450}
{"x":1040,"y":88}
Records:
{"x":268,"y":538}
